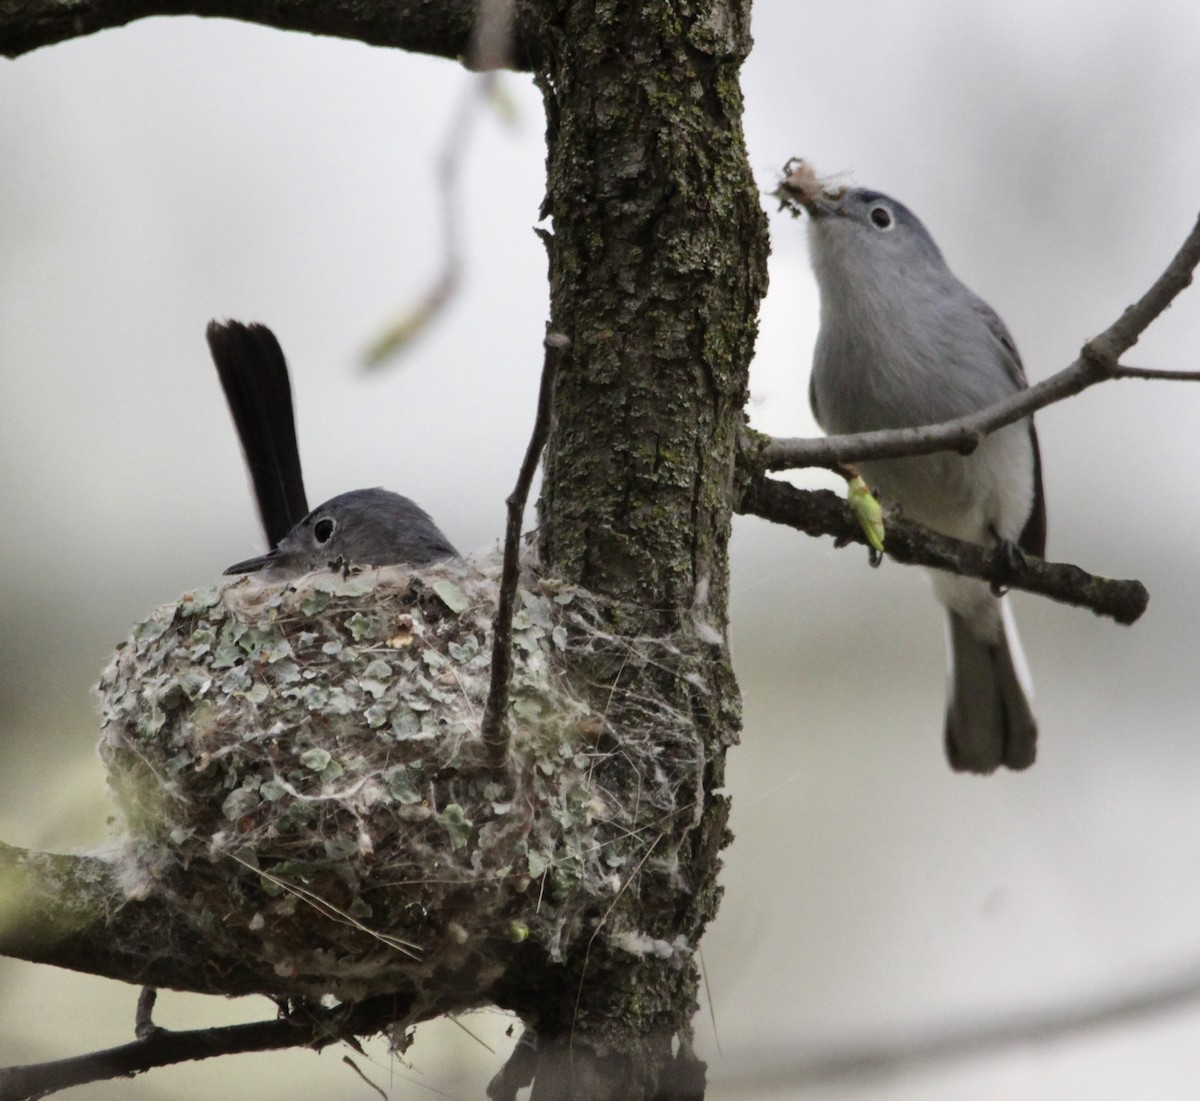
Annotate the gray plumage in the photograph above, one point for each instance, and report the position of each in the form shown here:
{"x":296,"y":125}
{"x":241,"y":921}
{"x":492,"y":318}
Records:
{"x":904,"y":343}
{"x":365,"y":527}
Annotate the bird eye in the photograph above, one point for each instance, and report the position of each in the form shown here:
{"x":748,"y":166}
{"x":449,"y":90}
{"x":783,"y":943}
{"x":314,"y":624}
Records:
{"x":323,"y":529}
{"x":881,"y":217}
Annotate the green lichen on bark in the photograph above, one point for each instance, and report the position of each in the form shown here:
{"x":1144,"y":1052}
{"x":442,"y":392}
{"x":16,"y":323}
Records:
{"x":657,"y":265}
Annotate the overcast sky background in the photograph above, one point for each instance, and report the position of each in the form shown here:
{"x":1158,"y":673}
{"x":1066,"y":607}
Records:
{"x":159,"y":175}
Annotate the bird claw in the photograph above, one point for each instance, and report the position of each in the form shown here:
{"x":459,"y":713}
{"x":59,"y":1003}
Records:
{"x":1007,"y":560}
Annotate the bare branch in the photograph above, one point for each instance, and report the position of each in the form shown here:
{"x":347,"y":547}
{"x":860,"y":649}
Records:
{"x":452,"y":158}
{"x":399,"y":334}
{"x":493,"y":44}
{"x":1157,"y":373}
{"x":445,"y":29}
{"x":494,"y":727}
{"x":71,"y":911}
{"x":143,"y":1021}
{"x":821,"y":512}
{"x":305,"y":1026}
{"x":762,"y":1071}
{"x":1097,"y":362}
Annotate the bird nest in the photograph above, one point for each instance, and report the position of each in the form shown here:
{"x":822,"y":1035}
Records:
{"x":301,"y":776}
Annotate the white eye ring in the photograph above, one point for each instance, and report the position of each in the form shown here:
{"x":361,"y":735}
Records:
{"x":323,"y":529}
{"x":881,"y":217}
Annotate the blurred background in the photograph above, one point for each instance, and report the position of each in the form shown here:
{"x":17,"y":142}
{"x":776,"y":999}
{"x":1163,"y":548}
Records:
{"x":175,"y":170}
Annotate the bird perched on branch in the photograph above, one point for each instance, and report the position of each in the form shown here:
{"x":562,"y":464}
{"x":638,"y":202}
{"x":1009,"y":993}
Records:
{"x":365,"y":527}
{"x":902,"y":343}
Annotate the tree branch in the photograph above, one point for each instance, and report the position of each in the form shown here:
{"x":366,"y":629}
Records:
{"x":761,"y":1071}
{"x":1158,"y":373}
{"x":445,"y":28}
{"x":452,"y":159}
{"x":304,"y":1026}
{"x":494,"y":728}
{"x":822,"y":512}
{"x":1097,"y":362}
{"x":70,"y":911}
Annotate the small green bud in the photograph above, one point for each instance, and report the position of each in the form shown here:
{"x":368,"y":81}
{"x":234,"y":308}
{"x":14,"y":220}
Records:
{"x":866,"y":509}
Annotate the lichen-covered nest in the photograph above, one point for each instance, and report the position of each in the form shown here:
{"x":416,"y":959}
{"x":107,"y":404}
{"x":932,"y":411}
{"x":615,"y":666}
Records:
{"x":300,"y":772}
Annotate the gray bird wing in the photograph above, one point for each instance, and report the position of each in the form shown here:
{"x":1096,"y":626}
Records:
{"x":812,"y":398}
{"x":1009,"y":357}
{"x":1033,"y":535}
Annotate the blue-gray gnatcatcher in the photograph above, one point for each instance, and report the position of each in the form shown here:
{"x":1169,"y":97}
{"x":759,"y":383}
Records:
{"x":365,"y":527}
{"x":903,"y":343}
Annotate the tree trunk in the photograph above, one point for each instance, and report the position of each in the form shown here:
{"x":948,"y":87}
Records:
{"x":657,"y":264}
{"x":657,"y":257}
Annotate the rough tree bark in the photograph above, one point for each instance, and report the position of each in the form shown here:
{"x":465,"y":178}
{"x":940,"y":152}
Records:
{"x":657,"y":264}
{"x":657,"y":258}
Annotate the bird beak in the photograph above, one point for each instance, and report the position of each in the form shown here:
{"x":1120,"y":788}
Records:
{"x":802,"y":187}
{"x":254,"y":565}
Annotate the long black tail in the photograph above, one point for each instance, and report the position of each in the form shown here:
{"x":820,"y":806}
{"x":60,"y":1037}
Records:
{"x":254,"y":376}
{"x":989,"y":721}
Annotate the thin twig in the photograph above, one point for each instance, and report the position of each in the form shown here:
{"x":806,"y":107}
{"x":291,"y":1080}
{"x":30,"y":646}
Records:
{"x":143,"y":1022}
{"x":494,"y":727}
{"x":765,"y":1071}
{"x":1097,"y":362}
{"x":451,"y":158}
{"x":492,"y":45}
{"x":445,"y":29}
{"x":1157,"y":373}
{"x":822,"y":512}
{"x":308,"y":1025}
{"x":347,"y":1061}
